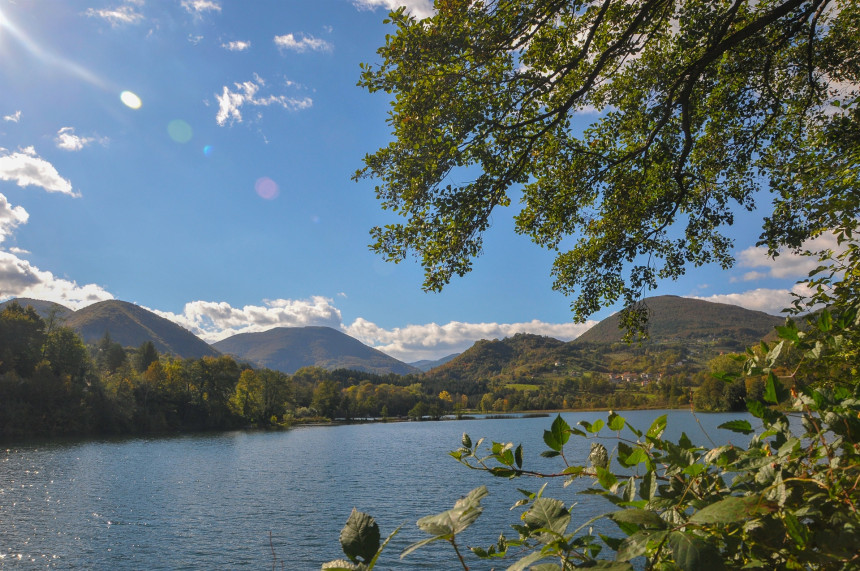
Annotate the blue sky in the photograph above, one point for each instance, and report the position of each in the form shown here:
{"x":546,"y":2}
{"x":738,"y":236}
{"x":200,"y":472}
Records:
{"x":194,"y":157}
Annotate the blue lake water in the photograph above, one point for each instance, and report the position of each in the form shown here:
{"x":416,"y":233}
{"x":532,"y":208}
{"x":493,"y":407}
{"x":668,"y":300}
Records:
{"x":211,"y":501}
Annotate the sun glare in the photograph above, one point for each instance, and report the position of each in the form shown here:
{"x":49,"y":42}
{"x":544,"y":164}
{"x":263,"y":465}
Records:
{"x":130,"y":99}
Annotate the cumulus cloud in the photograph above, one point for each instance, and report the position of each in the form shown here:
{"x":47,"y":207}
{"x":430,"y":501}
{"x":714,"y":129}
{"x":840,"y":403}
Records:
{"x":761,"y":299}
{"x":10,"y":217}
{"x":213,"y":321}
{"x":19,"y":278}
{"x":433,"y":341}
{"x":26,"y":168}
{"x":67,"y":140}
{"x":237,"y":46}
{"x":788,"y":264}
{"x":121,"y":15}
{"x":419,"y":8}
{"x":201,"y":6}
{"x":230,"y":103}
{"x":13,"y":118}
{"x":302,"y":43}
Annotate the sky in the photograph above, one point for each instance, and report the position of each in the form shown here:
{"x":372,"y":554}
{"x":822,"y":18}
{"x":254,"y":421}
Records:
{"x":194,"y":157}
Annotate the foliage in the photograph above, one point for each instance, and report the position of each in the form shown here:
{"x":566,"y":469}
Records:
{"x":703,"y":108}
{"x":787,"y":500}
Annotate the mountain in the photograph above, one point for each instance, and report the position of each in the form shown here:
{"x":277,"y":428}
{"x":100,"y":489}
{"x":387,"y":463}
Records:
{"x":131,"y":325}
{"x":42,"y":307}
{"x":288,"y":349}
{"x":681,"y":319}
{"x":685,"y":335}
{"x":426,"y":364}
{"x":487,"y":359}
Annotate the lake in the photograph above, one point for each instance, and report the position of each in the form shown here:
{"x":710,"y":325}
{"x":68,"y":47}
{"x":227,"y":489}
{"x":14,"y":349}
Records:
{"x":211,"y":501}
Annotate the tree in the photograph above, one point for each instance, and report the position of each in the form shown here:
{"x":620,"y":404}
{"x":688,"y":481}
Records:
{"x":703,"y":108}
{"x":146,"y":355}
{"x":67,"y":354}
{"x":22,"y":334}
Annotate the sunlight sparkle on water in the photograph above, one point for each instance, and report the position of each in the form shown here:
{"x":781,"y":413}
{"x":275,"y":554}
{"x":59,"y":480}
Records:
{"x":266,"y":188}
{"x":130,"y":99}
{"x":179,"y":131}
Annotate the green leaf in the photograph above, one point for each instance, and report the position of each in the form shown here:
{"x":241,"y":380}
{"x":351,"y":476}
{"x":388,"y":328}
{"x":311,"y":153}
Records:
{"x":606,"y":478}
{"x":596,"y":427}
{"x":518,"y":456}
{"x":774,"y":392}
{"x":466,"y":510}
{"x":616,"y":422}
{"x":636,"y":545}
{"x":549,"y":514}
{"x":360,"y":537}
{"x":643,"y":518}
{"x":789,"y":333}
{"x":657,"y":427}
{"x":825,"y":321}
{"x":693,"y":554}
{"x":648,"y":486}
{"x":795,"y":529}
{"x":467,"y":442}
{"x":558,"y":434}
{"x":526,"y":561}
{"x":742,"y":426}
{"x":730,"y":510}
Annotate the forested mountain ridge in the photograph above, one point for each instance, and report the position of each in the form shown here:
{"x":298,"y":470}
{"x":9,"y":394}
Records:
{"x":126,"y":323}
{"x":42,"y":307}
{"x":287,"y":349}
{"x":131,"y":325}
{"x":685,"y":335}
{"x":680,"y":319}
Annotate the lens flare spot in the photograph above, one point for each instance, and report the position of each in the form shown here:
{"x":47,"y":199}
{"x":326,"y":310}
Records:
{"x":130,"y":99}
{"x":179,"y":131}
{"x":207,"y":150}
{"x":266,"y":188}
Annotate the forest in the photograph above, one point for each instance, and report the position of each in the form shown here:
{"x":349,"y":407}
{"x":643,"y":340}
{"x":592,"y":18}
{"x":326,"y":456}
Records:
{"x":52,"y":383}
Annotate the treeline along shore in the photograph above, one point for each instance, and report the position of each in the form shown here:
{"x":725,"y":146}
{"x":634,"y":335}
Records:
{"x":53,"y":383}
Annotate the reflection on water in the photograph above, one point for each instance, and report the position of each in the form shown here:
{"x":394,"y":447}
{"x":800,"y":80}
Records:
{"x":211,"y":501}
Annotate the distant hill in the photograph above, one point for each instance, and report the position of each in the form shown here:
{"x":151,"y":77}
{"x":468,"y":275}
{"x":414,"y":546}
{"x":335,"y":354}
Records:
{"x":685,"y":334}
{"x":287,"y":349}
{"x":131,"y":325}
{"x":680,"y":319}
{"x":427,"y":364}
{"x":42,"y":307}
{"x":487,"y":359}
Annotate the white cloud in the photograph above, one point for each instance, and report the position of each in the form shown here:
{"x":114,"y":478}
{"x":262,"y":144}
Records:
{"x":237,"y":46}
{"x":303,"y":43}
{"x":10,"y":217}
{"x":201,"y":6}
{"x":25,"y":168}
{"x":787,"y":264}
{"x":432,"y":341}
{"x":194,"y":40}
{"x":761,"y":299}
{"x":125,"y":14}
{"x":213,"y":321}
{"x":230,"y":103}
{"x":19,"y":251}
{"x":19,"y":278}
{"x":419,"y":8}
{"x":68,"y":141}
{"x":13,"y":118}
